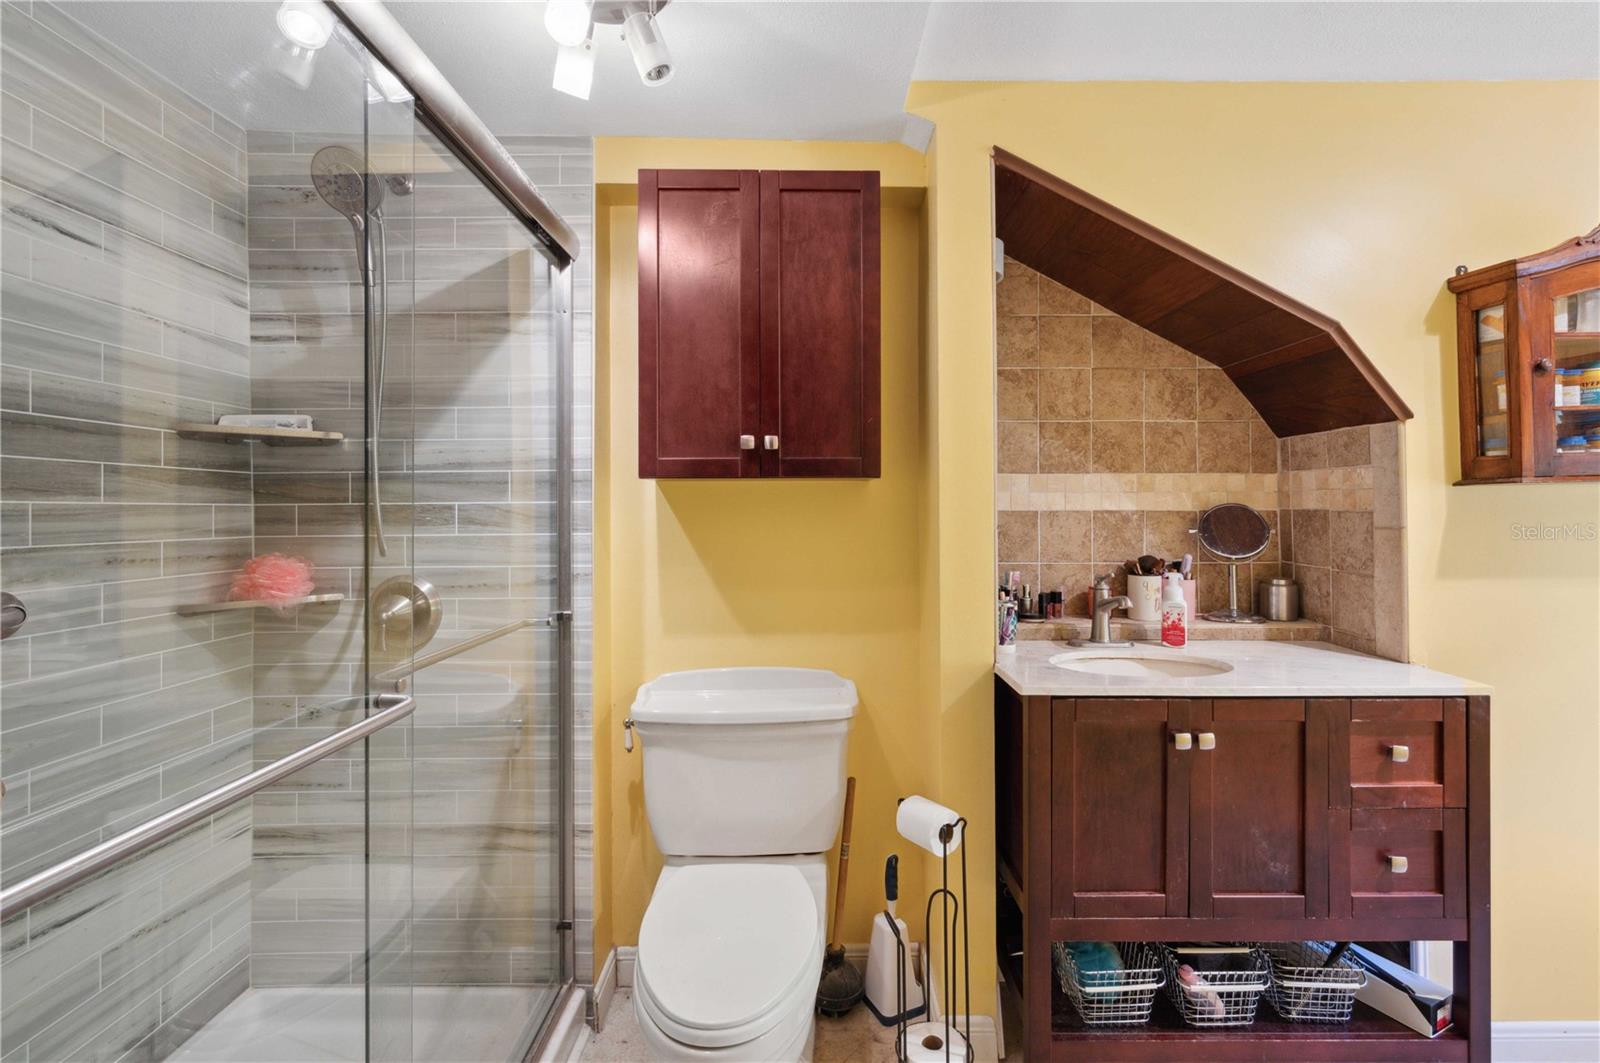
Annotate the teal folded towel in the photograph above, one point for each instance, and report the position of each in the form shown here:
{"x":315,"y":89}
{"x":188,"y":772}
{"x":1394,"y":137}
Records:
{"x":1095,"y":957}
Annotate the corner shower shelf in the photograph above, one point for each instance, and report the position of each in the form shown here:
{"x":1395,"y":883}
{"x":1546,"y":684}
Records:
{"x":287,"y":603}
{"x":272,"y":437}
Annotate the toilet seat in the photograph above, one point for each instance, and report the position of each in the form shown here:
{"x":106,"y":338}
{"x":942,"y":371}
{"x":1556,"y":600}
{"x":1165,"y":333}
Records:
{"x":728,"y":950}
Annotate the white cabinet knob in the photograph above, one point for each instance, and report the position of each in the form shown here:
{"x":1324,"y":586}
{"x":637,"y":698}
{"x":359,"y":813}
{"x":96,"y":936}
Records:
{"x":1399,"y":754}
{"x":771,"y":442}
{"x":1208,"y":740}
{"x":747,"y":442}
{"x":1398,"y":864}
{"x":1183,"y":740}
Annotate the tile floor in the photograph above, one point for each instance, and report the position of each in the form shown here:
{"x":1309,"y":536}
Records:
{"x":855,"y":1038}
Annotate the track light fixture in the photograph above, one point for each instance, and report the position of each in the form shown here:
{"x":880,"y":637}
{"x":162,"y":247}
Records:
{"x":571,"y":23}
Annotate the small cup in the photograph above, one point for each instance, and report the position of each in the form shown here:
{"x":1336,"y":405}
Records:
{"x":1145,"y":592}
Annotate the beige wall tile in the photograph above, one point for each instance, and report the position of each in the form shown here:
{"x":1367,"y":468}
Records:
{"x":1351,"y":642}
{"x":1350,"y":541}
{"x":1169,"y":394}
{"x":1349,"y":446}
{"x":1064,"y":394}
{"x":1219,"y":399}
{"x":1066,"y":536}
{"x":1274,"y":551}
{"x":1166,"y":533}
{"x":1311,"y":537}
{"x":1018,"y":449}
{"x":1388,"y":500}
{"x":1064,"y":341}
{"x":1263,"y":447}
{"x":1316,"y":592}
{"x":1074,"y":580}
{"x":1064,"y":446}
{"x":1118,"y":446}
{"x":1163,"y":352}
{"x":1352,"y":604}
{"x":1211,"y":587}
{"x":1059,"y":299}
{"x":1118,"y":536}
{"x":1017,"y":294}
{"x":1017,"y":394}
{"x":1389,"y":593}
{"x":1306,"y":452}
{"x":1224,"y":446}
{"x":1030,"y":574}
{"x":1117,"y":395}
{"x":1118,"y":343}
{"x":1169,"y":446}
{"x":1018,"y":536}
{"x":1017,"y":341}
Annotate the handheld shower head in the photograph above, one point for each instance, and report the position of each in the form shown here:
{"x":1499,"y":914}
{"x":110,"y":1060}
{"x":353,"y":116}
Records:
{"x":341,"y":180}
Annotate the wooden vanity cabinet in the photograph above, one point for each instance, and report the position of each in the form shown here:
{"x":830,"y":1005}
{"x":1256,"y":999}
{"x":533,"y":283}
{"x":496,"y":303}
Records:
{"x":758,"y":324}
{"x":1244,"y":819}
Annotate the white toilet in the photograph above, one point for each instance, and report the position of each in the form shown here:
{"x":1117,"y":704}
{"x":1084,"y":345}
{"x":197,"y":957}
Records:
{"x":744,"y":786}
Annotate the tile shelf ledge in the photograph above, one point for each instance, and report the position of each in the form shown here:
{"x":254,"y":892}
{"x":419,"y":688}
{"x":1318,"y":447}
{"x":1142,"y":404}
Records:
{"x":272,"y":437}
{"x":287,"y":603}
{"x":1073,"y":627}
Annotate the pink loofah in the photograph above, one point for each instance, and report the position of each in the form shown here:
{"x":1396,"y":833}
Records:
{"x":271,"y":578}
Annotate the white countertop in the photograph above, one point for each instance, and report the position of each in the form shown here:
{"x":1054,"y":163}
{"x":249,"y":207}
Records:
{"x":1261,"y":669}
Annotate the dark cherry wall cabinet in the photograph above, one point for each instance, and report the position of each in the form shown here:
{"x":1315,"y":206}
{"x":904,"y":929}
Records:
{"x":1242,"y":819}
{"x":758,"y":323}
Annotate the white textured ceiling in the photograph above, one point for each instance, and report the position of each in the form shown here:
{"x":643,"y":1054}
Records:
{"x":799,"y":69}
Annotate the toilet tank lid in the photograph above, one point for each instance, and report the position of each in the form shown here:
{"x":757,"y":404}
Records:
{"x":746,"y":695}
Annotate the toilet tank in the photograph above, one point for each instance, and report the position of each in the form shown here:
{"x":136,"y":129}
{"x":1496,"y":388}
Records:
{"x":744,"y":761}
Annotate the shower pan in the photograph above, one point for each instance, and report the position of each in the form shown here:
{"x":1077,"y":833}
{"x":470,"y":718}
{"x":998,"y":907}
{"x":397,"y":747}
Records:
{"x":293,"y":301}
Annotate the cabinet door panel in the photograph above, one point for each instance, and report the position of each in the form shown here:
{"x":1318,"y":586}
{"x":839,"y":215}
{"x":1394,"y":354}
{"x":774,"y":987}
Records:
{"x":1253,"y":797}
{"x":819,"y":322}
{"x":699,"y":322}
{"x":1121,"y":823}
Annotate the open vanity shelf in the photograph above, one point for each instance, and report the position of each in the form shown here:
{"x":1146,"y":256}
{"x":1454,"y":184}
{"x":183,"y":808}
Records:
{"x":1242,"y":819}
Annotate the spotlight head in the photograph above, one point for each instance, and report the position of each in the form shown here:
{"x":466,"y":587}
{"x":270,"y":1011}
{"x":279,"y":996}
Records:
{"x":647,"y":46}
{"x":567,"y":21}
{"x":306,"y":23}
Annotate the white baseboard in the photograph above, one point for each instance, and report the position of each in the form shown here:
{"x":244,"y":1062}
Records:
{"x":605,"y":987}
{"x":627,"y":956}
{"x":1546,"y":1042}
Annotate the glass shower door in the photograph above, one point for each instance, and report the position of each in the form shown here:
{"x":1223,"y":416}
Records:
{"x":237,"y":756}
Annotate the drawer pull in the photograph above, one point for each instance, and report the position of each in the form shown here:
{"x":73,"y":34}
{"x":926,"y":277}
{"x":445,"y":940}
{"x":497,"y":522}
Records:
{"x":747,"y":442}
{"x":1398,"y":864}
{"x":1183,"y":740}
{"x":1208,"y":740}
{"x":1399,"y":754}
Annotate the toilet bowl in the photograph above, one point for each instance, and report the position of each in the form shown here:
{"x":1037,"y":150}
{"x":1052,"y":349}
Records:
{"x":744,"y":786}
{"x":730,"y":952}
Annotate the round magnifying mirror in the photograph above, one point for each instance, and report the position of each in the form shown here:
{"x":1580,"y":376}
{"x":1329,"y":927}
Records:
{"x":1234,"y":533}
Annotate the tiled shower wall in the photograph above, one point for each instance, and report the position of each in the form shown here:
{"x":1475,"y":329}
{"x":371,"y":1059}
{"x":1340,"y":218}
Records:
{"x":470,"y":422}
{"x":125,"y":311}
{"x":1111,"y":442}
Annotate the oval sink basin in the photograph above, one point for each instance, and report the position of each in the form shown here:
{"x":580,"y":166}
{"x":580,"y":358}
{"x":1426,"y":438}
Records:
{"x":1140,"y":664}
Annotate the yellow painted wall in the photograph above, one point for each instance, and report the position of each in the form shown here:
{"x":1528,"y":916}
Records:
{"x":1358,"y":199}
{"x":812,"y":573}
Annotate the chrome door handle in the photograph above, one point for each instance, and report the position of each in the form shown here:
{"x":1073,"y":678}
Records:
{"x":747,"y":442}
{"x":13,"y":614}
{"x":770,"y":442}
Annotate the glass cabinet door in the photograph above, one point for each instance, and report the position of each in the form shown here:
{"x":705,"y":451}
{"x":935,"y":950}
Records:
{"x":1490,"y":328}
{"x":1566,"y":362}
{"x":1492,"y":399}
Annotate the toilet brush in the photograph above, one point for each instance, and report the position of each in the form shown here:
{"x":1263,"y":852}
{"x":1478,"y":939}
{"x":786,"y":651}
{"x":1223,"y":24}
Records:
{"x":839,"y":989}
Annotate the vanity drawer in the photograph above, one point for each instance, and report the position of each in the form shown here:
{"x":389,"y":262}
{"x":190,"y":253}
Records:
{"x":1407,"y":863}
{"x":1409,"y":753}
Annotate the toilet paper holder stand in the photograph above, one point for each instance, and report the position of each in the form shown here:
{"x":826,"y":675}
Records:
{"x":930,"y":1043}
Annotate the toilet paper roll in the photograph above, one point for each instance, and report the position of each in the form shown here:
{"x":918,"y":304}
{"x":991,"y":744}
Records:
{"x":925,"y":1043}
{"x":920,"y":820}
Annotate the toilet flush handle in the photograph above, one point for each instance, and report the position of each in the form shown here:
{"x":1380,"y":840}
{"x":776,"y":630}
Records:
{"x":627,"y":735}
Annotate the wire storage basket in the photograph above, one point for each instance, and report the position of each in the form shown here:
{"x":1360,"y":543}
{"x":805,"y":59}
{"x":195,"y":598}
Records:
{"x":1217,"y":998}
{"x":1113,"y":998}
{"x":1304,"y":990}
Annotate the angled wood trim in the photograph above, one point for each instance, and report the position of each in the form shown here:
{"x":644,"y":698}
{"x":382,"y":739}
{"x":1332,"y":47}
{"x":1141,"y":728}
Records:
{"x":1206,"y":301}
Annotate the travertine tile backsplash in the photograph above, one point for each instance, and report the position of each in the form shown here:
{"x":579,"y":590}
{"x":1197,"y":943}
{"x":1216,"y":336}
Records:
{"x":1111,"y":441}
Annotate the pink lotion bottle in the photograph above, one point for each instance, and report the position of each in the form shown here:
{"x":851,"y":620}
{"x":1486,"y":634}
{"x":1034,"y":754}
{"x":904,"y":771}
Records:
{"x":1174,"y":612}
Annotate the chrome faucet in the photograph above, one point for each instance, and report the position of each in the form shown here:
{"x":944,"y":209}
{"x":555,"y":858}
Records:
{"x":1100,"y":615}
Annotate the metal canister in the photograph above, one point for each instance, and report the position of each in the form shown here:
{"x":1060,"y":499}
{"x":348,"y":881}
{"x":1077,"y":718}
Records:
{"x":1278,"y":599}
